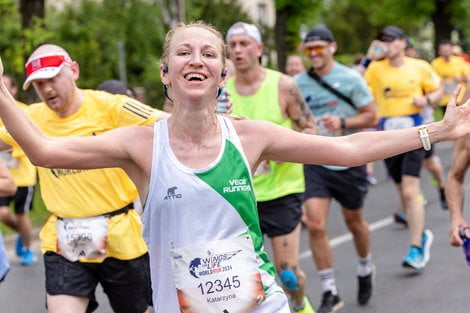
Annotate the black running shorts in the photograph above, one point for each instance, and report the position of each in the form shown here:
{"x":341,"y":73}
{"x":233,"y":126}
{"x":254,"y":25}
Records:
{"x":349,"y":187}
{"x":126,"y":283}
{"x":430,"y":153}
{"x":23,"y":199}
{"x":408,"y":163}
{"x":280,"y":216}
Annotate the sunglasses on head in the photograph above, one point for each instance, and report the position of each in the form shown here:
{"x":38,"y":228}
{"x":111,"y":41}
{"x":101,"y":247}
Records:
{"x":317,"y":49}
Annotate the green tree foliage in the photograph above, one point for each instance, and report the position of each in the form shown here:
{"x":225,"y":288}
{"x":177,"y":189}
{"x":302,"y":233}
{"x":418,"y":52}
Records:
{"x":91,"y":31}
{"x":290,"y":15}
{"x":356,"y":22}
{"x":219,"y":13}
{"x":15,"y":42}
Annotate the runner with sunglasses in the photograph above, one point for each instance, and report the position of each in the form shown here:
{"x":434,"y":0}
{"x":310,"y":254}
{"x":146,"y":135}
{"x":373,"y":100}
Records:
{"x":347,"y":185}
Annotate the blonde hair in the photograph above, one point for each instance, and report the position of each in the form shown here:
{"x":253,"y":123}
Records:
{"x":181,"y":26}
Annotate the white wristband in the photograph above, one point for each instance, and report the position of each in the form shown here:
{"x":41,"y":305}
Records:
{"x":424,"y":136}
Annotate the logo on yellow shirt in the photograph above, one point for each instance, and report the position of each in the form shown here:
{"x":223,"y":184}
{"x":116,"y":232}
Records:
{"x":58,"y":173}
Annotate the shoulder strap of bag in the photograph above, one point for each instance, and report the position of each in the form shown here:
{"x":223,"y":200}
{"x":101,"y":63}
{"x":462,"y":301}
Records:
{"x":331,"y":89}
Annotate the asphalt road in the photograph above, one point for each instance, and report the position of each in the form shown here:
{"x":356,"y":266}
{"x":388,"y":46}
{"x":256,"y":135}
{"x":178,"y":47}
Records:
{"x":444,"y":286}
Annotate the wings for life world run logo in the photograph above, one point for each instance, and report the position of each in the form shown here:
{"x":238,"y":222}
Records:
{"x":211,"y":264}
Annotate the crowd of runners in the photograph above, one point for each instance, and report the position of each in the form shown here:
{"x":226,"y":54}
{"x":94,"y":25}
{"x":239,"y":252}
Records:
{"x":213,"y":186}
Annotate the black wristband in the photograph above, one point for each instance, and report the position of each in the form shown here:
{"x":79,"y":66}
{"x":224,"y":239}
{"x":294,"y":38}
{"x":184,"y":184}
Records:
{"x":343,"y":122}
{"x":365,"y":62}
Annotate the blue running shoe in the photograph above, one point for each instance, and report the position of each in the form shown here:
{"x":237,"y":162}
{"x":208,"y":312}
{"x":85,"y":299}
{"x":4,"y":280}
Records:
{"x":414,"y":258}
{"x":426,"y":242}
{"x":19,"y":246}
{"x":28,"y":258}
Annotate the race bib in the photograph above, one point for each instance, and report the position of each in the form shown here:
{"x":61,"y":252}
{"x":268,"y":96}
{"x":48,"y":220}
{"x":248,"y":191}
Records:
{"x":218,"y":277}
{"x":400,"y":122}
{"x":9,"y":160}
{"x":82,"y":237}
{"x":449,"y":86}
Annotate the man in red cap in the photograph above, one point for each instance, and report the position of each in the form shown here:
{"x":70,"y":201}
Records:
{"x":93,"y":235}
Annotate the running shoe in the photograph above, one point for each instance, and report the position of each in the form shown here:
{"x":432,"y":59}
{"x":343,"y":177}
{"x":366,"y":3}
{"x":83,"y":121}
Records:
{"x":443,"y":199}
{"x":330,"y":303}
{"x":400,"y":218}
{"x":414,"y":258}
{"x":366,"y":285}
{"x":19,"y":246}
{"x":28,"y":258}
{"x":426,"y":242}
{"x":307,"y":307}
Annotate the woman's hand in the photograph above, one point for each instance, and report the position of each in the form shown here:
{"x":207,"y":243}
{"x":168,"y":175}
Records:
{"x":455,"y":231}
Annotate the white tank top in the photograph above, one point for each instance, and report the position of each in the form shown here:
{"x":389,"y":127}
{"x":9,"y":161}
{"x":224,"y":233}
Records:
{"x":187,"y":207}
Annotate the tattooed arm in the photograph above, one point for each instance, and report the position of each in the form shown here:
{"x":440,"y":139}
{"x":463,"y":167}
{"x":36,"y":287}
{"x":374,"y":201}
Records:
{"x":295,"y":107}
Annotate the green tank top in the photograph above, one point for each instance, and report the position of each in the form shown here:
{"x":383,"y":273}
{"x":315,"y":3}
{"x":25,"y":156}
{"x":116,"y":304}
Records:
{"x":279,"y":179}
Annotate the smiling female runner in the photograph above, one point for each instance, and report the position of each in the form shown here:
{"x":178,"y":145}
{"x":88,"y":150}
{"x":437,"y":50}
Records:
{"x":194,"y":170}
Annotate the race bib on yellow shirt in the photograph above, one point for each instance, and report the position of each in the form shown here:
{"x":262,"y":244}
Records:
{"x":449,"y":86}
{"x":82,"y":237}
{"x":9,"y":160}
{"x":400,"y":122}
{"x":218,"y":276}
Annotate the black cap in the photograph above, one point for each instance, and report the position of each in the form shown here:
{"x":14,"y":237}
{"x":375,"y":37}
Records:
{"x":390,"y":33}
{"x":115,"y":86}
{"x":320,"y":32}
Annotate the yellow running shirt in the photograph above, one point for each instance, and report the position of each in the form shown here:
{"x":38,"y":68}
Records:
{"x":23,"y":172}
{"x":276,"y":179}
{"x":85,"y":193}
{"x":452,"y":73}
{"x":394,"y":88}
